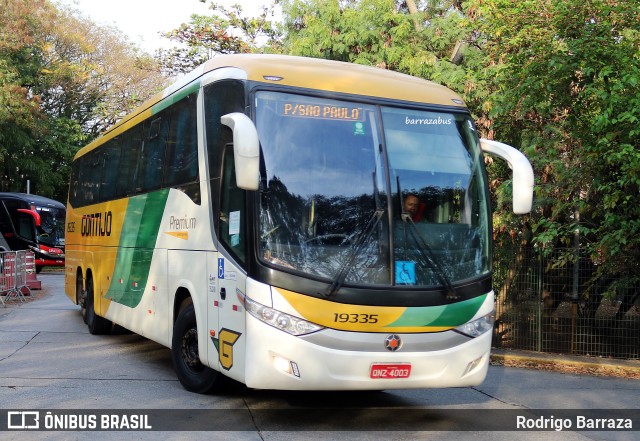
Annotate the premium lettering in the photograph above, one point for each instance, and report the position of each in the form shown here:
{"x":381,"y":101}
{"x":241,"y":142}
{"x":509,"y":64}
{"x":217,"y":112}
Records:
{"x":182,"y":223}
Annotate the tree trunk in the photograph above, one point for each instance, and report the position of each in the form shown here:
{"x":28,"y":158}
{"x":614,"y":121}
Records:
{"x":413,"y":9}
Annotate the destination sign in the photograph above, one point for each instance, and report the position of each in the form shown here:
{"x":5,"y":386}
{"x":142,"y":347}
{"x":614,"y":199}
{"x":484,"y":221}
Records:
{"x":322,"y":111}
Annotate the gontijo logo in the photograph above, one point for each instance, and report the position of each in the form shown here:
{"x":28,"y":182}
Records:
{"x":97,"y":224}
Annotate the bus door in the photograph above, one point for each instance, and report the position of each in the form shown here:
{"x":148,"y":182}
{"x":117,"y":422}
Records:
{"x":230,"y":338}
{"x":230,"y":276}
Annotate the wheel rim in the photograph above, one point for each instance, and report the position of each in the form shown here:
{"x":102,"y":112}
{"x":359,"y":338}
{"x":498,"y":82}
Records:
{"x":189,"y":347}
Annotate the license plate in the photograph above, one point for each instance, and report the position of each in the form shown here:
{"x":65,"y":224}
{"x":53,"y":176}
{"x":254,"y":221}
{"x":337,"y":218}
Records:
{"x":390,"y":370}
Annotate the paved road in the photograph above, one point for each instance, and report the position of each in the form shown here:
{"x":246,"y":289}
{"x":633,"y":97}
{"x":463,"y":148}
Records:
{"x":49,"y":361}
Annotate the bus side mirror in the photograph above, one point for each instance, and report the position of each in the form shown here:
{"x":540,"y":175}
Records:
{"x":522,"y":173}
{"x":34,"y":214}
{"x":246,"y":149}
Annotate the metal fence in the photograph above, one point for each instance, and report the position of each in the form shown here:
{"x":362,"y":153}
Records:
{"x":549,"y":302}
{"x":13,"y":276}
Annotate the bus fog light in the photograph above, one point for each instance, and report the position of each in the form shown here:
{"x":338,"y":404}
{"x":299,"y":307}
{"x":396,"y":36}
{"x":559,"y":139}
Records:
{"x":286,"y":366}
{"x":472,"y":365}
{"x":282,"y":364}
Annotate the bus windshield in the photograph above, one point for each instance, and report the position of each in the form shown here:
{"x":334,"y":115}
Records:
{"x":50,"y":232}
{"x":370,"y":195}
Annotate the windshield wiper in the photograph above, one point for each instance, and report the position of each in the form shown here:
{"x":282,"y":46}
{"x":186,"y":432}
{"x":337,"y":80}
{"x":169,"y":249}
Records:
{"x":355,"y":250}
{"x":429,"y":256}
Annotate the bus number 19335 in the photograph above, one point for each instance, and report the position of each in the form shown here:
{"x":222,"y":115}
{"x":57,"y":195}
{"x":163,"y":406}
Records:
{"x":355,"y":318}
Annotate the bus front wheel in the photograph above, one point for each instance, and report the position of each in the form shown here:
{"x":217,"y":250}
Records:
{"x":193,"y":375}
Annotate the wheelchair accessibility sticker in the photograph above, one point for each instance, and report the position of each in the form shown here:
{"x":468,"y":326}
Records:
{"x":405,"y":272}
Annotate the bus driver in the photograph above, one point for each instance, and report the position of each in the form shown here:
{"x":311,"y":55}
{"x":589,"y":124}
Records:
{"x":413,"y":207}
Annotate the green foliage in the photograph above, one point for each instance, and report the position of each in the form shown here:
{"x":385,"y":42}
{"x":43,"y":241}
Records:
{"x":63,"y":80}
{"x":226,"y":31}
{"x":564,"y":81}
{"x":21,"y":118}
{"x":372,"y":32}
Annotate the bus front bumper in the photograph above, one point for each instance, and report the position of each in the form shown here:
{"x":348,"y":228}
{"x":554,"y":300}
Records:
{"x":276,"y":360}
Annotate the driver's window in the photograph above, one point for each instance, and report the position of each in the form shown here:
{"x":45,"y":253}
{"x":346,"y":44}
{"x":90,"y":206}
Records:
{"x":232,"y":209}
{"x":25,"y":227}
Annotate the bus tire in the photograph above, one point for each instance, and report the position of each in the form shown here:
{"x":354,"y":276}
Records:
{"x":81,"y":298}
{"x":193,"y":375}
{"x":97,"y":325}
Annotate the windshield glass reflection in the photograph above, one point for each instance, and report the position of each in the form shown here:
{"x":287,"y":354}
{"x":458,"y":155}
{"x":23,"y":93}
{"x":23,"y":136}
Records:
{"x":325,"y":179}
{"x":51,"y":229}
{"x":320,"y":186}
{"x":434,"y":163}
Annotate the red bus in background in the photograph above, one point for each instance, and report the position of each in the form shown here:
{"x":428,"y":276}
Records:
{"x":36,"y":223}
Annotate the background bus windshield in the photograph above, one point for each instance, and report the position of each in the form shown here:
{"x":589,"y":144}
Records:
{"x":372,"y":195}
{"x":51,"y":229}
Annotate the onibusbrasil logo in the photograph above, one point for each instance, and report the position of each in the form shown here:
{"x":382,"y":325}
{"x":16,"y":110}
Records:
{"x":69,"y":420}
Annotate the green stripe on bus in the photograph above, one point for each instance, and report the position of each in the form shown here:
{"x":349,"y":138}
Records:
{"x":451,"y":315}
{"x":175,"y":97}
{"x":137,"y":242}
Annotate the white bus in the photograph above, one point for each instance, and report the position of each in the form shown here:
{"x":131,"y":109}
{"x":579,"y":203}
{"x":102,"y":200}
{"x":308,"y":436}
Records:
{"x":255,"y":219}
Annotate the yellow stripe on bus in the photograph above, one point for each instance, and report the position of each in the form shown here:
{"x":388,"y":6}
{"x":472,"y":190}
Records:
{"x":97,"y":228}
{"x":346,"y":317}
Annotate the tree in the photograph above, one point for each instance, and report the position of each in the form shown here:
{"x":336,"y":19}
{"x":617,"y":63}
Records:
{"x":431,"y":42}
{"x":226,"y":31}
{"x":565,"y":82}
{"x":63,"y":80}
{"x":556,"y":78}
{"x":97,"y":74}
{"x":21,"y":117}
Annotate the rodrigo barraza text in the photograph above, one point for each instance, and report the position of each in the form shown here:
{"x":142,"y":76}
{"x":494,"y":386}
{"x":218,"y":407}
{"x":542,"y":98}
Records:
{"x":577,"y":423}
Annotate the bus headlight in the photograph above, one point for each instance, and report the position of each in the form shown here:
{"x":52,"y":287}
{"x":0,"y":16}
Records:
{"x":477,"y":327}
{"x":280,"y":320}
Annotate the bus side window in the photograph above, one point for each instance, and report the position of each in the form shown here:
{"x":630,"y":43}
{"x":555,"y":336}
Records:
{"x":6,"y":226}
{"x":112,"y":162}
{"x":74,"y":187}
{"x":232,"y":209}
{"x":220,"y":98}
{"x":131,"y":144}
{"x":89,"y":177}
{"x":152,"y":155}
{"x":181,"y":166}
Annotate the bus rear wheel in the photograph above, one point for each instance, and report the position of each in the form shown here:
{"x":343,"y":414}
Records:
{"x":81,"y":297}
{"x":96,"y":324}
{"x":193,"y":375}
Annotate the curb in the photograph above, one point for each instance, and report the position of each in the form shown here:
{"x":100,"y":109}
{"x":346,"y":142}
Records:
{"x":567,"y":363}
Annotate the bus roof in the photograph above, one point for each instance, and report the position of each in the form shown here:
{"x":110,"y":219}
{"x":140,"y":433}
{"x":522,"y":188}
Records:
{"x":308,"y":73}
{"x":337,"y":76}
{"x":33,"y":199}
